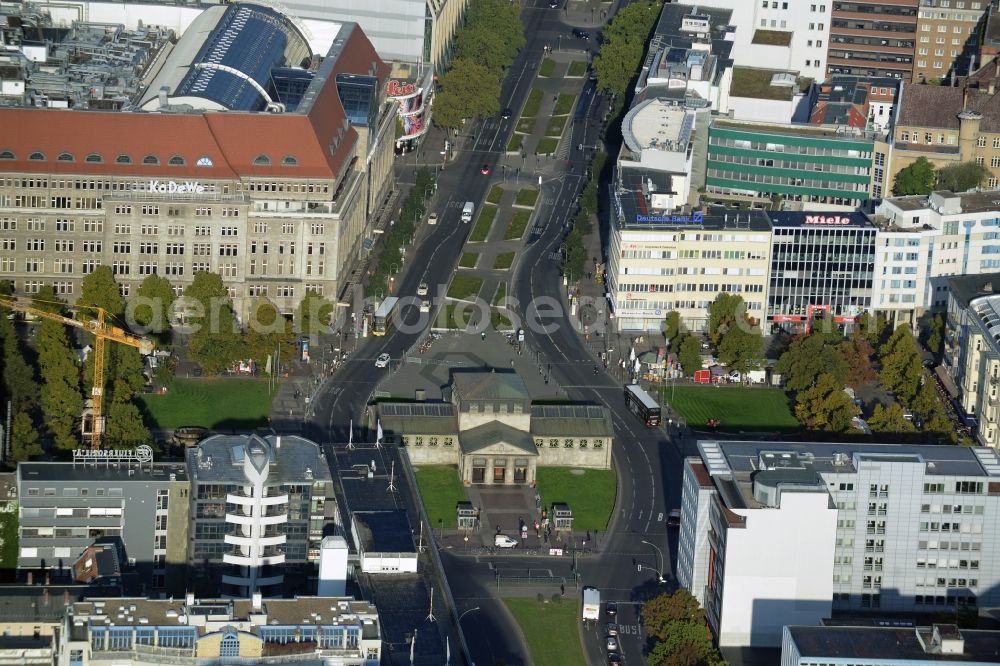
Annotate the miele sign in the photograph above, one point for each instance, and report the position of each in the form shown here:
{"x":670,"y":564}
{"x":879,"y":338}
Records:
{"x":172,"y":187}
{"x":841,"y":220}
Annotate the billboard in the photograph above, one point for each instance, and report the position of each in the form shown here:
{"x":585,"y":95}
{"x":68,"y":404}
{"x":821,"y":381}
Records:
{"x":411,"y":107}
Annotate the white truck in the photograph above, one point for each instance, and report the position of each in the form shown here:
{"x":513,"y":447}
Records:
{"x":467,"y":211}
{"x":591,"y":603}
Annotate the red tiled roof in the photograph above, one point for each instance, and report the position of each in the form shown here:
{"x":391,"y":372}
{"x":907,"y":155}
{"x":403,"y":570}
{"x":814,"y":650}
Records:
{"x":232,"y":141}
{"x":939,"y":106}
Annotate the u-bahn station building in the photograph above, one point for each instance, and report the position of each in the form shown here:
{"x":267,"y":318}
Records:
{"x":234,"y":147}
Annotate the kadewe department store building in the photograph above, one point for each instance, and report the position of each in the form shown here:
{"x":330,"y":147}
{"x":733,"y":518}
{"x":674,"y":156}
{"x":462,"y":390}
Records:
{"x":822,"y":265}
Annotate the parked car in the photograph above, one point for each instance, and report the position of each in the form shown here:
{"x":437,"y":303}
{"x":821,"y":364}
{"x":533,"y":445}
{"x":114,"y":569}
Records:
{"x":612,"y":643}
{"x":422,"y":289}
{"x":611,"y":609}
{"x":504,"y":541}
{"x":432,"y":218}
{"x":674,"y":518}
{"x":382,"y":361}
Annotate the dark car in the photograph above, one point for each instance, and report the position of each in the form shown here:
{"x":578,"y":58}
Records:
{"x":553,"y":4}
{"x":615,"y":658}
{"x":507,"y":113}
{"x":580,"y":33}
{"x":611,"y":609}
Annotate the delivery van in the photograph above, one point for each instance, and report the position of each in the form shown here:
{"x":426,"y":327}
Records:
{"x":591,"y":603}
{"x":467,"y":211}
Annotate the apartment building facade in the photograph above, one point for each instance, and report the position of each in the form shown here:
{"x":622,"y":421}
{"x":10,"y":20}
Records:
{"x":821,"y":167}
{"x":947,"y":38}
{"x":873,"y":38}
{"x":821,"y":266}
{"x":65,"y":508}
{"x":658,"y":263}
{"x":893,"y":528}
{"x":924,"y":241}
{"x":259,"y":508}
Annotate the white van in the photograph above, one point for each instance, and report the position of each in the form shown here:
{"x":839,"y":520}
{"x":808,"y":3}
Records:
{"x":467,"y":211}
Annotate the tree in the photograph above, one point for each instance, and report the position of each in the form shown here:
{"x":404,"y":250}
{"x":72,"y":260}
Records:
{"x":925,"y":402}
{"x":660,"y":611}
{"x":125,"y":429}
{"x":809,"y":356}
{"x":689,"y":354}
{"x":623,"y":46}
{"x":150,"y":307}
{"x":216,"y":343}
{"x":676,"y":623}
{"x":902,"y":370}
{"x":672,"y":328}
{"x":723,"y":314}
{"x":18,"y":376}
{"x":918,"y":178}
{"x":933,"y":334}
{"x":825,"y":406}
{"x":314,"y":315}
{"x":24,"y":438}
{"x":62,"y":403}
{"x":874,"y":329}
{"x":889,"y":419}
{"x":741,"y":349}
{"x":266,"y":330}
{"x":962,"y":177}
{"x":492,"y":36}
{"x":857,"y":354}
{"x":99,"y":290}
{"x":468,"y":90}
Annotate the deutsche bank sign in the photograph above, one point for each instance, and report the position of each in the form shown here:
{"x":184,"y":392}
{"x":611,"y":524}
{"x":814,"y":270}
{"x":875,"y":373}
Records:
{"x":697,"y":218}
{"x":172,"y":187}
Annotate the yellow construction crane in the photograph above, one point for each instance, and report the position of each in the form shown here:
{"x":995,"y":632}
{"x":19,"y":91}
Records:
{"x":101,"y":331}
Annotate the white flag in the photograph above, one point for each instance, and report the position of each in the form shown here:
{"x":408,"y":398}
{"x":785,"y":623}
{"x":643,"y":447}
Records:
{"x":378,"y":432}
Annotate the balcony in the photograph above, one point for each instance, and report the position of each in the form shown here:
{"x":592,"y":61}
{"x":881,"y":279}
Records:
{"x":275,"y":519}
{"x":248,"y":500}
{"x":240,"y":519}
{"x":239,"y":560}
{"x":238,"y":581}
{"x":270,"y":580}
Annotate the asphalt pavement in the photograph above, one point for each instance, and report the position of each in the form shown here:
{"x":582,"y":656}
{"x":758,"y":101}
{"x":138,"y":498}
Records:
{"x":648,"y":463}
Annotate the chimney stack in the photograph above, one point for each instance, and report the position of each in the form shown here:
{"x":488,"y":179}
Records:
{"x":257,"y":601}
{"x":189,"y":599}
{"x":66,"y":597}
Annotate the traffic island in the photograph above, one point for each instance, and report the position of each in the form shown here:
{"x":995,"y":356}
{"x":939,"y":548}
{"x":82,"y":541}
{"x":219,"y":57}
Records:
{"x":549,"y":627}
{"x":465,"y":288}
{"x":484,"y":222}
{"x":518,"y":223}
{"x":468,"y":260}
{"x":503,"y":261}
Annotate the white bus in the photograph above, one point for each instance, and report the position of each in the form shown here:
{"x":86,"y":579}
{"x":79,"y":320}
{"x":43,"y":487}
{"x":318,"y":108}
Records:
{"x":383,"y":315}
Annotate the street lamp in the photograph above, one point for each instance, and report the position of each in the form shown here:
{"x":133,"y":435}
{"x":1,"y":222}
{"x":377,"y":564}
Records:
{"x":464,"y":613}
{"x":659,"y":559}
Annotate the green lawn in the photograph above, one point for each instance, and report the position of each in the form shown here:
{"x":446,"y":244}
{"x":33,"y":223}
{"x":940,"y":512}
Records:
{"x":503,"y":261}
{"x":449,"y":317}
{"x":547,"y":67}
{"x":494,"y":196}
{"x":590,"y":495}
{"x":440,"y":490}
{"x":550,"y":629}
{"x":564,"y":104}
{"x":577,"y":68}
{"x":546,"y":145}
{"x":468,"y":259}
{"x":555,"y":126}
{"x":8,"y":535}
{"x":518,"y":222}
{"x":464,"y":287}
{"x":525,"y":125}
{"x":737,"y":408}
{"x":225,"y":404}
{"x":514,"y":145}
{"x":500,"y":321}
{"x":533,"y":104}
{"x":526,"y":197}
{"x":483,"y":224}
{"x":500,"y":295}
